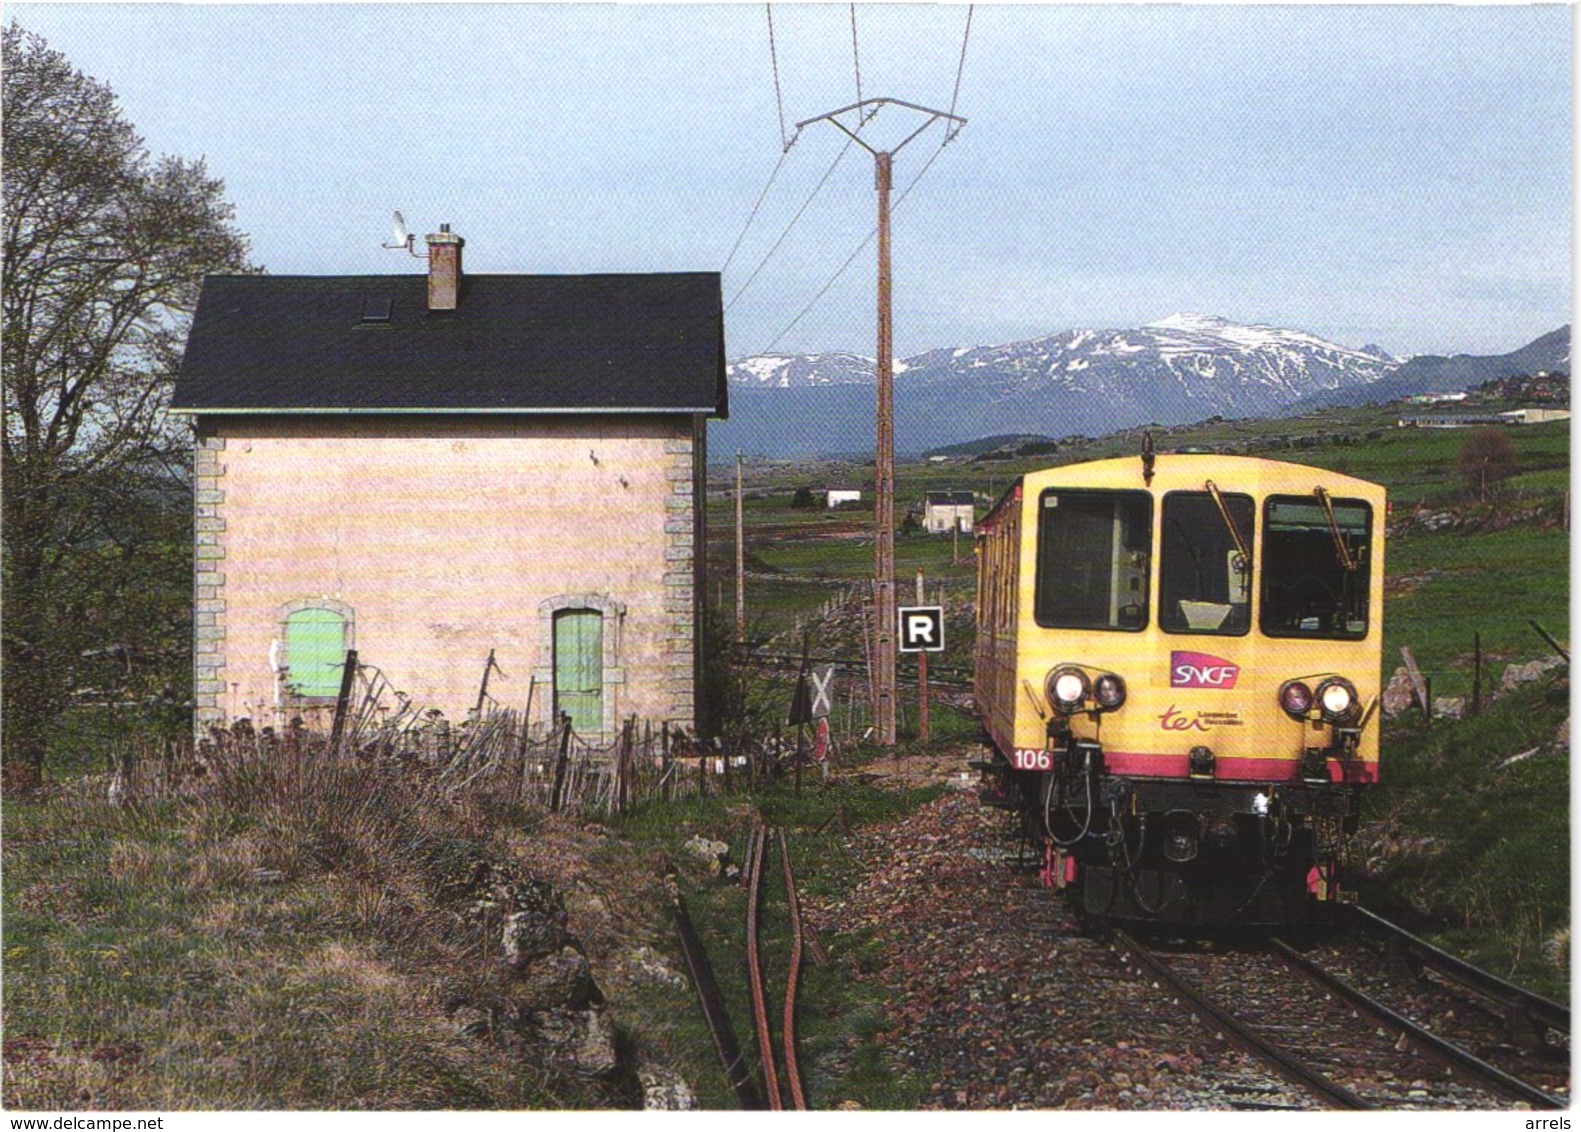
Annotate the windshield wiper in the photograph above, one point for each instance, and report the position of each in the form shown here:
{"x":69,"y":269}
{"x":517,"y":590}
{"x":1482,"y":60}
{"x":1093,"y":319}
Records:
{"x":1244,"y":561}
{"x":1326,"y":504}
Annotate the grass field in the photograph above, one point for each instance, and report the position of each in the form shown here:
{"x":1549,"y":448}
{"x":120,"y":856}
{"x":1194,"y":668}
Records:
{"x":288,"y":945}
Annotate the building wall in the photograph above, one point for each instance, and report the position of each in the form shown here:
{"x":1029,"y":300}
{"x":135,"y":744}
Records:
{"x":445,"y":537}
{"x":943,"y":517}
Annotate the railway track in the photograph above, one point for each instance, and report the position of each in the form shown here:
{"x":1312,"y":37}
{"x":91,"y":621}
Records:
{"x":1325,"y":1038}
{"x":732,"y":1060}
{"x":752,"y":878}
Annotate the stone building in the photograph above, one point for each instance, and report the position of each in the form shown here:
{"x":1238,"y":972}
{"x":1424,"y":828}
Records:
{"x":428,"y":468}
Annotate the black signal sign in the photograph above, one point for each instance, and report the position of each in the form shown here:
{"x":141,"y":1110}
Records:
{"x":921,"y":628}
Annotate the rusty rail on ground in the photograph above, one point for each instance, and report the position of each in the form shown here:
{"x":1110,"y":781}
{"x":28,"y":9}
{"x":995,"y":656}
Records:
{"x":788,"y":1033}
{"x":760,"y":1016}
{"x":714,"y":1012}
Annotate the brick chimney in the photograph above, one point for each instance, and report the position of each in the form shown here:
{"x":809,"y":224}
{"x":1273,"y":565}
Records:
{"x":444,"y":269}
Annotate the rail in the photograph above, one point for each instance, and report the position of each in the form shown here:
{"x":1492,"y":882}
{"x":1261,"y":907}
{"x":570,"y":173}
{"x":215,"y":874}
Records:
{"x":714,"y":1012}
{"x":1281,"y":1061}
{"x":1541,"y":1010}
{"x":1445,"y":1051}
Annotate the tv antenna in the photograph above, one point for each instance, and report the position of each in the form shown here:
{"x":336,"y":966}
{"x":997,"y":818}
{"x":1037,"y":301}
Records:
{"x":403,"y":238}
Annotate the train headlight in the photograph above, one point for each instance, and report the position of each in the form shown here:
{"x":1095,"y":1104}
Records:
{"x":1109,"y":691}
{"x":1336,"y":699}
{"x":1296,"y":698}
{"x":1067,"y":689}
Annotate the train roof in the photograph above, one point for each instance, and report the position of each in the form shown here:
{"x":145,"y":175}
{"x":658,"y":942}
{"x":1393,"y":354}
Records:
{"x":1186,"y":471}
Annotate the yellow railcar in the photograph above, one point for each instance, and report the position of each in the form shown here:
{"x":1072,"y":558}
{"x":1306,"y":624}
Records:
{"x":1178,"y":663}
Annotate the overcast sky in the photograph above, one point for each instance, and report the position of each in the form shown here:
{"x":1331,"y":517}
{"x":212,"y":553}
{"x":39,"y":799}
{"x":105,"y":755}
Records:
{"x":1389,"y":175}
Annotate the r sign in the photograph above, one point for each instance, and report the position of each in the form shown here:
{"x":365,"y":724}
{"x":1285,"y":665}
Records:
{"x":921,"y":628}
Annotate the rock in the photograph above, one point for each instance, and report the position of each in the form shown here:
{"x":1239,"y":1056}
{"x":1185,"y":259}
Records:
{"x":652,"y":966}
{"x":1398,"y":696}
{"x":562,"y":981}
{"x":1449,"y":707}
{"x":471,"y":1022}
{"x":1516,"y":674}
{"x":584,"y":1039}
{"x":536,"y":928}
{"x":665,"y":1091}
{"x":706,"y":849}
{"x":1556,"y":949}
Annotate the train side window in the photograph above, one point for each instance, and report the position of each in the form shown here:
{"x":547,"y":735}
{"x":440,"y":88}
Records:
{"x":1204,"y":579}
{"x":1316,"y":572}
{"x":1094,"y":551}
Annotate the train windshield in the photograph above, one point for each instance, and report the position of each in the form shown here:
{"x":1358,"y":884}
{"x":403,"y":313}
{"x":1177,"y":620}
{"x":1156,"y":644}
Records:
{"x":1094,"y":550}
{"x":1316,"y":569}
{"x":1205,"y":572}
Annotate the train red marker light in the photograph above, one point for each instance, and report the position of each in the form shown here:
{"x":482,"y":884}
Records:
{"x":1109,"y":691}
{"x":1296,"y":698}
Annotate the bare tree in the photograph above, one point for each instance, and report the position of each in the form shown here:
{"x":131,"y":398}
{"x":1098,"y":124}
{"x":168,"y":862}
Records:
{"x":1486,"y":458}
{"x":105,"y":247}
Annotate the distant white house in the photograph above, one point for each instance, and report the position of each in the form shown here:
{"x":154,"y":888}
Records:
{"x":1535,"y":416}
{"x":838,"y":495}
{"x":943,"y":511}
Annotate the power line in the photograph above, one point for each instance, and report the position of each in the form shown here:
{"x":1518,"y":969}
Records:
{"x":810,"y":197}
{"x":959,"y":67}
{"x":754,"y":213}
{"x":850,"y":259}
{"x":775,"y":63}
{"x":856,"y":57}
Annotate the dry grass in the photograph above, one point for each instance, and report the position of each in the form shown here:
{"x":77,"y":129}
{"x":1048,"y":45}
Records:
{"x":288,"y":930}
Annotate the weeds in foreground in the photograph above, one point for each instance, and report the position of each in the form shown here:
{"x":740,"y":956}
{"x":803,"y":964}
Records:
{"x":273,"y":933}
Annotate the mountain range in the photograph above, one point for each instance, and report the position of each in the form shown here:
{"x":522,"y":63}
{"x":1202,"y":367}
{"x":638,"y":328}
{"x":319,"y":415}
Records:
{"x":1180,"y":369}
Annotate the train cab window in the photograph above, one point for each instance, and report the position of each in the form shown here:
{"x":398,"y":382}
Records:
{"x":1205,"y":572}
{"x":1316,"y":569}
{"x":1094,"y":550}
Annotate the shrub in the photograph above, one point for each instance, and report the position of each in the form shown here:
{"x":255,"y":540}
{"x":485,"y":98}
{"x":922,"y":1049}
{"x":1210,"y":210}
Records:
{"x":1487,"y":458}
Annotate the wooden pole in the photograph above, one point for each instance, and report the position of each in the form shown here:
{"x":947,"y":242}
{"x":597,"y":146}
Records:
{"x":1549,"y":637}
{"x":1476,"y":674}
{"x":483,"y":688}
{"x":522,"y":743}
{"x":1417,"y":683}
{"x":347,"y":675}
{"x":741,"y":569}
{"x":923,"y":731}
{"x":557,"y":791}
{"x":884,"y":476}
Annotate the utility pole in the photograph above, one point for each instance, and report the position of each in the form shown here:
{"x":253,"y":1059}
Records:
{"x":885,"y":616}
{"x":741,"y":569}
{"x":923,"y":732}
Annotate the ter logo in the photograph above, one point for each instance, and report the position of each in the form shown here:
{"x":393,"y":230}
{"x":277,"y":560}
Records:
{"x":1200,"y":670}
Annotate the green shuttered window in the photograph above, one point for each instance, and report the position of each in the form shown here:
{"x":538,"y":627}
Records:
{"x":579,"y":668}
{"x":315,"y":641}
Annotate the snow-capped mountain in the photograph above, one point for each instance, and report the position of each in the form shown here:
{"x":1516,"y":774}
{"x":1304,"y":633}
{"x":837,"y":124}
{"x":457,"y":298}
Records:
{"x":801,"y":371}
{"x":1185,"y":359}
{"x":1200,"y":350}
{"x":1182,"y":368}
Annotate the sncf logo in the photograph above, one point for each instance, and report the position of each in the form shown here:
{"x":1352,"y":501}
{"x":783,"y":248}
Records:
{"x":1199,"y":670}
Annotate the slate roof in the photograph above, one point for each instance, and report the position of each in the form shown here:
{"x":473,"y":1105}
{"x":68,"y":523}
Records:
{"x":951,"y":499}
{"x":534,"y":343}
